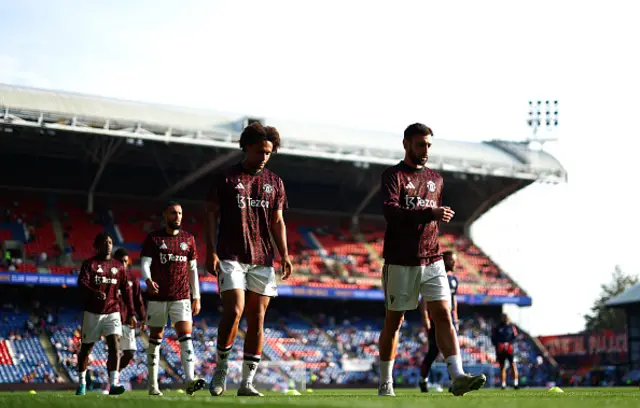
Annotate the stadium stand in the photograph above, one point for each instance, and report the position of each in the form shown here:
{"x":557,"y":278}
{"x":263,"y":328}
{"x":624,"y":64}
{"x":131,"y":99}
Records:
{"x":325,"y":253}
{"x":22,"y":357}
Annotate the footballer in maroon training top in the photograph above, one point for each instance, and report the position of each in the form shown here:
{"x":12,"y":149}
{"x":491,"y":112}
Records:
{"x":411,"y":237}
{"x":248,"y":202}
{"x":170,"y":258}
{"x":100,"y":276}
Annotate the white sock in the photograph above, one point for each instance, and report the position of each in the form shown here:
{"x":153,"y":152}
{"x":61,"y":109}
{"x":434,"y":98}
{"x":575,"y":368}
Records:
{"x":83,"y":377}
{"x":114,"y":378}
{"x":188,"y":357}
{"x":515,"y":383}
{"x":386,"y":371}
{"x":249,"y":368}
{"x":153,"y":360}
{"x":454,"y":366}
{"x":504,"y":384}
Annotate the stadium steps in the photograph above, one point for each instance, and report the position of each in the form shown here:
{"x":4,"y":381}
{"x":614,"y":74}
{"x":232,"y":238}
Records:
{"x":315,"y":243}
{"x":50,"y":352}
{"x":372,"y":251}
{"x":56,"y":225}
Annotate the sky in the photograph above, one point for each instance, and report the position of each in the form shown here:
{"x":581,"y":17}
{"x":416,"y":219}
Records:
{"x":465,"y":68}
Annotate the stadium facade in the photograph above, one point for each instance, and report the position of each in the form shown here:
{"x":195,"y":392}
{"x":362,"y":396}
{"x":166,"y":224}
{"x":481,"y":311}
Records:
{"x":85,"y":164}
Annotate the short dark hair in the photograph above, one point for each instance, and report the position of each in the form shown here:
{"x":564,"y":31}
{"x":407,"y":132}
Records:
{"x":417,"y":129}
{"x":171,"y":203}
{"x":447,"y":254}
{"x":100,"y":239}
{"x":120,"y":254}
{"x":256,"y":133}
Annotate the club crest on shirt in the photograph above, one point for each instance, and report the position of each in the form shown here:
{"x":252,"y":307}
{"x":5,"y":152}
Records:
{"x":114,"y":271}
{"x":184,"y":246}
{"x":431,"y":186}
{"x":267,"y":188}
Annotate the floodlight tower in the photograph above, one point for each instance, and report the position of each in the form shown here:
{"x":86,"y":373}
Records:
{"x":535,"y":120}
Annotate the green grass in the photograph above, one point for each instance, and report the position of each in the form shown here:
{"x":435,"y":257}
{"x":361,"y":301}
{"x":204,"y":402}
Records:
{"x":367,"y":398}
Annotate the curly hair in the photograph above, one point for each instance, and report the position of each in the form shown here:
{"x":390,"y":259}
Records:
{"x":120,"y":254}
{"x":256,"y":133}
{"x":100,"y":239}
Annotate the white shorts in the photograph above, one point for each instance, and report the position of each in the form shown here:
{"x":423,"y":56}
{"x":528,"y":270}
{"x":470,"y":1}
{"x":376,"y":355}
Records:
{"x":403,"y":285}
{"x":178,"y":311}
{"x":128,"y":340}
{"x":94,"y":326}
{"x":259,"y":279}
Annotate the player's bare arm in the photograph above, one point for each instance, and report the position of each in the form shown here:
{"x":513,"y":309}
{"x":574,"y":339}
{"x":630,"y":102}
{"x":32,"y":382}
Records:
{"x":194,"y":282}
{"x":210,"y":227}
{"x":279,"y":232}
{"x":127,"y":293}
{"x":456,"y":322}
{"x":395,"y":212}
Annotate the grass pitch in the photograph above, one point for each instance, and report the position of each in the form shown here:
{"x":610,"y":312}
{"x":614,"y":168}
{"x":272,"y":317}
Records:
{"x":367,"y":398}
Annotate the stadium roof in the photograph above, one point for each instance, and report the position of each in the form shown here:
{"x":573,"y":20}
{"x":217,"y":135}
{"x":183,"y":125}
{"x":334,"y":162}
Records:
{"x":629,"y":296}
{"x":170,"y":124}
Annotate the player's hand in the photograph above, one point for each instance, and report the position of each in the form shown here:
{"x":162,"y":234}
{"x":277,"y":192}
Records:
{"x":287,"y":267}
{"x":152,"y":287}
{"x":213,"y":264}
{"x":195,"y":307}
{"x":132,"y":322}
{"x":444,"y":214}
{"x":102,"y":296}
{"x":427,"y":323}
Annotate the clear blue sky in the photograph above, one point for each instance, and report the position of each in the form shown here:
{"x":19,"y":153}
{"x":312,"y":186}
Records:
{"x":465,"y":68}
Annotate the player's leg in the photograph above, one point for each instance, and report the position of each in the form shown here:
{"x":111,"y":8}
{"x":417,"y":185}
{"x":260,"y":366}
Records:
{"x":113,"y":362}
{"x":514,"y":371}
{"x":261,"y":287}
{"x":400,"y":286}
{"x":83,"y":363}
{"x":503,"y":371}
{"x":435,"y":290}
{"x":429,"y":358}
{"x":112,"y":330}
{"x":128,"y":346}
{"x":157,"y":314}
{"x":232,"y":283}
{"x":180,"y":312}
{"x":91,"y":329}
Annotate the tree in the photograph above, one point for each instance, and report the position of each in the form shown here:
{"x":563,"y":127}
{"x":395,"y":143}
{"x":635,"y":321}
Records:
{"x":602,"y":317}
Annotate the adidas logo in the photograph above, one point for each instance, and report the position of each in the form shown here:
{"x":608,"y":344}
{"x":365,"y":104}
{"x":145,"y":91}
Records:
{"x":239,"y":186}
{"x":410,"y":185}
{"x":163,"y":246}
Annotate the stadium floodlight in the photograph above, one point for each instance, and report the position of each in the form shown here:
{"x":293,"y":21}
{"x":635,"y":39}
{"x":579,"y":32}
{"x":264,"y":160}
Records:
{"x":548,"y":108}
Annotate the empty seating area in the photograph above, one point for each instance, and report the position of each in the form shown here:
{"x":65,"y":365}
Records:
{"x":326,"y":254}
{"x":25,"y":215}
{"x":79,"y":228}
